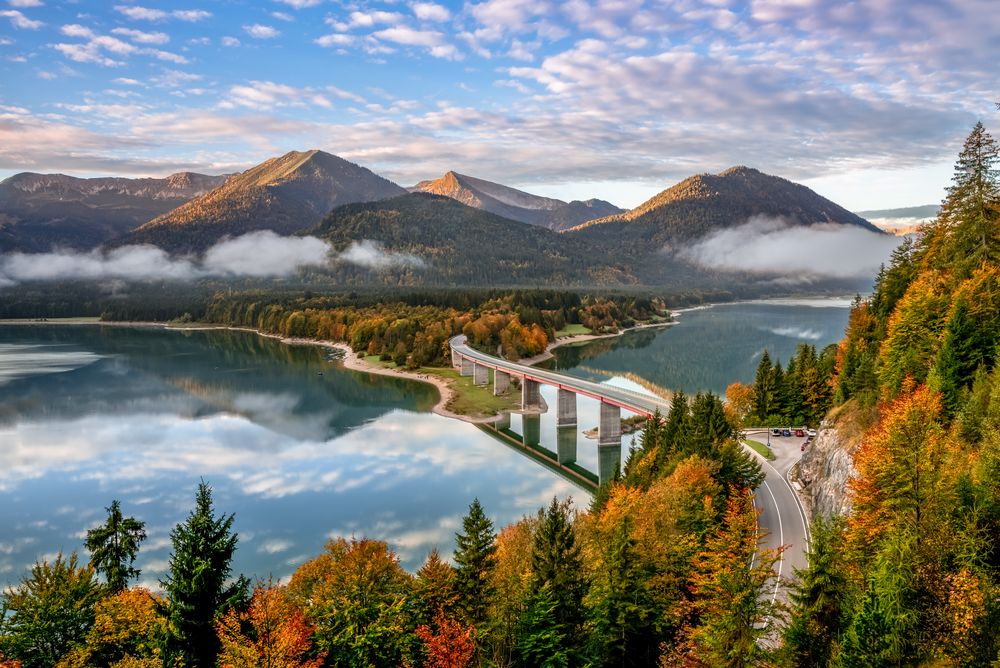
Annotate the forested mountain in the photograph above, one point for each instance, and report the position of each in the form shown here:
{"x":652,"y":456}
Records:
{"x":285,"y":194}
{"x":437,"y":240}
{"x":705,"y":203}
{"x":39,"y":211}
{"x":516,"y":204}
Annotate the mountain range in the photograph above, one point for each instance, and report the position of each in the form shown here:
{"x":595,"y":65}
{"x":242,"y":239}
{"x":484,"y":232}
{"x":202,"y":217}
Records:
{"x":515,"y":204}
{"x":456,"y":230}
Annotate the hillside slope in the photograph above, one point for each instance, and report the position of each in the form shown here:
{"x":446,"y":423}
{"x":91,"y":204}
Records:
{"x":39,"y":211}
{"x":516,"y":204}
{"x":285,"y":194}
{"x":705,"y":203}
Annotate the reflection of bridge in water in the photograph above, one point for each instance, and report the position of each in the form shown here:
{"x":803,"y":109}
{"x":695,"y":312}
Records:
{"x":612,"y":401}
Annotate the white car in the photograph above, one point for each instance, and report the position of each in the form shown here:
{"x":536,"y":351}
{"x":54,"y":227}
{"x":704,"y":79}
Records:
{"x":811,"y":432}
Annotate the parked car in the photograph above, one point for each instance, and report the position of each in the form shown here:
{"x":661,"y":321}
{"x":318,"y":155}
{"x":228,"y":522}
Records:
{"x":800,"y":433}
{"x":775,"y":432}
{"x":786,"y":432}
{"x":811,"y":432}
{"x":803,"y":448}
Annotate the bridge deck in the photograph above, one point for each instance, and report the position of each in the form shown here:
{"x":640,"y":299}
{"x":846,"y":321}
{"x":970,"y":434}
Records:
{"x":616,"y":396}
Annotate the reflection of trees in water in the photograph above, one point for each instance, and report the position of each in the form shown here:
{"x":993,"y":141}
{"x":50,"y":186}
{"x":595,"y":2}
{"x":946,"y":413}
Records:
{"x":569,"y":356}
{"x":197,"y":373}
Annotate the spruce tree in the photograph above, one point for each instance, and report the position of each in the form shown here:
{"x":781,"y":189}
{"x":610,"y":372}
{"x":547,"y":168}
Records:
{"x":557,"y":566}
{"x":475,"y":559}
{"x":818,"y":616}
{"x":113,"y":547}
{"x":203,"y":547}
{"x":970,"y":209}
{"x":435,"y":589}
{"x":764,"y":390}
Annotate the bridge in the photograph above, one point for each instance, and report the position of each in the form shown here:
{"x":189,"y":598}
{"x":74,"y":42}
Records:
{"x":613,"y":400}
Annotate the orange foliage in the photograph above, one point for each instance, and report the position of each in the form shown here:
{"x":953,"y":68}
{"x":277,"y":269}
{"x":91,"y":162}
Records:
{"x":452,"y":645}
{"x":277,"y":636}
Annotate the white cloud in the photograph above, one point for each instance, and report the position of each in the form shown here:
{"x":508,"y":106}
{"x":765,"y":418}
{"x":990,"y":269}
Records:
{"x":230,"y":41}
{"x":282,"y":16}
{"x":268,"y":94}
{"x":335,"y":39}
{"x":357,"y":19}
{"x":19,"y":20}
{"x":301,"y":4}
{"x":777,"y":247}
{"x":430,"y":39}
{"x":25,"y":3}
{"x":190,"y":15}
{"x":257,"y":254}
{"x":429,"y":11}
{"x":125,"y":81}
{"x":259,"y":31}
{"x":142,"y":37}
{"x":372,"y":255}
{"x":138,"y":13}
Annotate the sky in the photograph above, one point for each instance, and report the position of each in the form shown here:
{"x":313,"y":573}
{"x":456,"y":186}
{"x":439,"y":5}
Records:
{"x":866,"y":101}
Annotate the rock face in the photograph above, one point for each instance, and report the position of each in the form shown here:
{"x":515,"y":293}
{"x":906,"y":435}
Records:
{"x":824,"y":470}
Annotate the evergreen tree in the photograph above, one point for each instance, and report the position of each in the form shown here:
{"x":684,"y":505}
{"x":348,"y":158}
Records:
{"x":764,"y":389}
{"x":203,"y":547}
{"x":475,"y":557}
{"x":818,"y":600}
{"x":624,"y":612}
{"x":541,"y":642}
{"x":557,"y":566}
{"x":113,"y":547}
{"x":970,"y":209}
{"x":866,"y":644}
{"x":435,"y":589}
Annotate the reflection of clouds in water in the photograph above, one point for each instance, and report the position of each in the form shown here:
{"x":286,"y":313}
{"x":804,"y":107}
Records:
{"x":19,"y":361}
{"x":796,"y":332}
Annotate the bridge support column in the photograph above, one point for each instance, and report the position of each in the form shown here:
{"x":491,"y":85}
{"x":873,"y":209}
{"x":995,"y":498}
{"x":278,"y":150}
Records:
{"x":502,"y":422}
{"x":531,"y":395}
{"x":566,"y":444}
{"x":480,"y":374}
{"x":566,"y":408}
{"x":609,"y":461}
{"x":609,"y":432}
{"x":456,"y":359}
{"x":532,"y":427}
{"x":501,"y":381}
{"x":467,"y":367}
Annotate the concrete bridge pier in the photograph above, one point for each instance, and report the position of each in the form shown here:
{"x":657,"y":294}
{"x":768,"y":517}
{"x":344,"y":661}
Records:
{"x":480,"y":374}
{"x":531,"y":395}
{"x":502,"y":422}
{"x":609,"y":460}
{"x":566,"y":408}
{"x":566,"y":444}
{"x":609,"y":432}
{"x":531,"y":425}
{"x":456,"y":359}
{"x":467,"y":367}
{"x":501,"y":382}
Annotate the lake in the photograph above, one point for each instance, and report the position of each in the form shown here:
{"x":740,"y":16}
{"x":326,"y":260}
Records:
{"x":299,"y":448}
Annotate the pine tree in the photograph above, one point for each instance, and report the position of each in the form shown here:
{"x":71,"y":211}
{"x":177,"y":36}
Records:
{"x":475,"y":558}
{"x":764,"y":389}
{"x":203,"y":547}
{"x":557,"y":566}
{"x":623,"y":612}
{"x":435,"y":589}
{"x":113,"y":547}
{"x":866,"y":643}
{"x":970,"y":209}
{"x":818,"y":600}
{"x":541,"y":642}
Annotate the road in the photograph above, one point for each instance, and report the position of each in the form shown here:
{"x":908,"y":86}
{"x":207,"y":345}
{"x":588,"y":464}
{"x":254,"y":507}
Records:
{"x":781,"y":513}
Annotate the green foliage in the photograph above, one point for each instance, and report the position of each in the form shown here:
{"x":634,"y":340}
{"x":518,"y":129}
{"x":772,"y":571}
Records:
{"x":801,"y":394}
{"x":49,"y":613}
{"x":197,"y":583}
{"x":475,"y":559}
{"x":114,"y":546}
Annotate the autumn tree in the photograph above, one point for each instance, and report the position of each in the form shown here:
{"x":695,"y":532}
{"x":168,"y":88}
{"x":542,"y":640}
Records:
{"x":509,"y":581}
{"x":740,"y":404}
{"x":271,"y":633}
{"x":128,"y":626}
{"x":434,"y":589}
{"x":197,"y":583}
{"x":730,"y":578}
{"x":448,"y":644}
{"x":49,"y":613}
{"x":114,"y":545}
{"x":475,"y":558}
{"x":357,"y":595}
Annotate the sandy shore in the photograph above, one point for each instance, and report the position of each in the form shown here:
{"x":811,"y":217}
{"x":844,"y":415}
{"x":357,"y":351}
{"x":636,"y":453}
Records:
{"x":349,"y":358}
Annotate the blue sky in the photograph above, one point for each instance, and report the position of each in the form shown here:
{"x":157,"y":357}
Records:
{"x":865,"y":101}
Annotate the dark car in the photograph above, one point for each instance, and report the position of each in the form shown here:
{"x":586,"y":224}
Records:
{"x":799,"y":432}
{"x":803,"y":448}
{"x":786,"y":432}
{"x":775,"y":432}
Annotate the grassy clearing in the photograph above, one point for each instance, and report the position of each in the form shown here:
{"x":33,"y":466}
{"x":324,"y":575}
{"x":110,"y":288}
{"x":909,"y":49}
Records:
{"x":469,"y":399}
{"x":573,"y":330}
{"x":760,"y":449}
